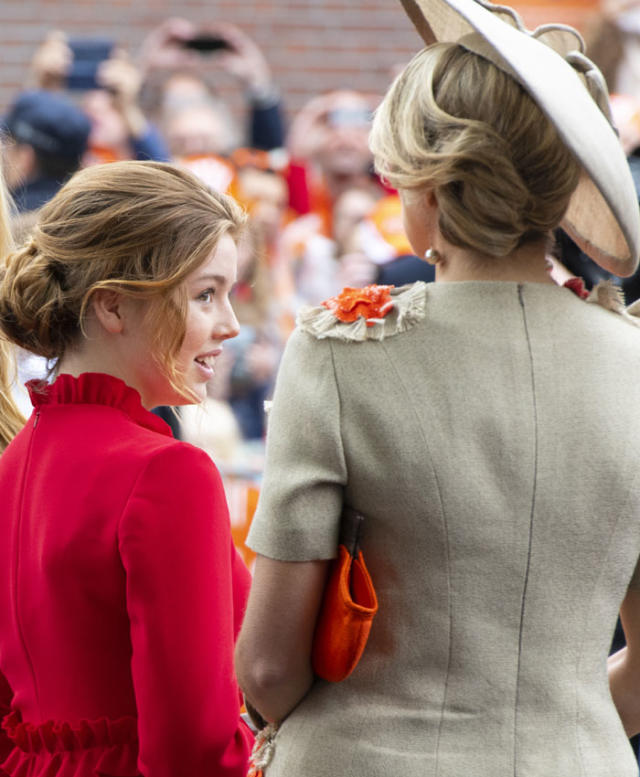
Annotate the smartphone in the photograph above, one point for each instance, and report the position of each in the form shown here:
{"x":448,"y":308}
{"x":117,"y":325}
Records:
{"x":207,"y":44}
{"x":88,"y":53}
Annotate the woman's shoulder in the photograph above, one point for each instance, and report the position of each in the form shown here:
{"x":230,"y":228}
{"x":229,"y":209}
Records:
{"x":370,"y":313}
{"x":608,"y":296}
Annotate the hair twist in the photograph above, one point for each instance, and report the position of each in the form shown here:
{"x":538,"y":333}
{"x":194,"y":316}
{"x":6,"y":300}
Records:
{"x":456,"y":124}
{"x":33,"y":312}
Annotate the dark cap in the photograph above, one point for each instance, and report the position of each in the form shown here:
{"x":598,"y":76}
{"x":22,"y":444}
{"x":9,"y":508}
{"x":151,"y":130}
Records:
{"x":49,"y":122}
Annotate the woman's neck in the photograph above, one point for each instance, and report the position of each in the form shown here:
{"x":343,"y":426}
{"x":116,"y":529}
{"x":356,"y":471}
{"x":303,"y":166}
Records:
{"x":528,"y":264}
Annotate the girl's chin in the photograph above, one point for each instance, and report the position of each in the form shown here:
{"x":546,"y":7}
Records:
{"x":199,"y":393}
{"x":196,"y":395}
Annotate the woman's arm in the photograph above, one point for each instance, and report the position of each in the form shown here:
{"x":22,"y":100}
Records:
{"x":273,"y":654}
{"x":298,"y":523}
{"x":624,"y":666}
{"x":176,"y":548}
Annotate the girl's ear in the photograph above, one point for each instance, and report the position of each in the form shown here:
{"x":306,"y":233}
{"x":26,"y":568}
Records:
{"x":109,"y":309}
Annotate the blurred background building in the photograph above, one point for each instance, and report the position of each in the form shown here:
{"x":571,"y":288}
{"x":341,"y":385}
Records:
{"x":312,"y":45}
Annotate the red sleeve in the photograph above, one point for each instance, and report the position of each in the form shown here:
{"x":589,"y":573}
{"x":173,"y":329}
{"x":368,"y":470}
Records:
{"x":176,"y":547}
{"x":6,"y":695}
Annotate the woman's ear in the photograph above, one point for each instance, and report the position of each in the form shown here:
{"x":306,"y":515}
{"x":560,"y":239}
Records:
{"x":109,"y":309}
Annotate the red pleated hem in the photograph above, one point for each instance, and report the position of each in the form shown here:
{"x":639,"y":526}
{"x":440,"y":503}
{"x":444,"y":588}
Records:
{"x":92,"y":747}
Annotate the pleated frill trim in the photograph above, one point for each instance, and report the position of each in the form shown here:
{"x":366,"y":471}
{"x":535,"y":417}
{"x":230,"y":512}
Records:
{"x":95,"y":388}
{"x":100,"y":746}
{"x":611,"y":297}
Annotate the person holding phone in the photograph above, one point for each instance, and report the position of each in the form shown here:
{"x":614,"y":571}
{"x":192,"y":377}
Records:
{"x":109,"y":83}
{"x":179,"y":60}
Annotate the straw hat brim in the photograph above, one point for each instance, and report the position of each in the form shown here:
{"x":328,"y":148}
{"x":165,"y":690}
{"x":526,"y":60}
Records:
{"x":603,"y":217}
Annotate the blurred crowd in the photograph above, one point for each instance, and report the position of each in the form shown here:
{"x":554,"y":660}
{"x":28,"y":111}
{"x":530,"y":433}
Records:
{"x":320,"y":218}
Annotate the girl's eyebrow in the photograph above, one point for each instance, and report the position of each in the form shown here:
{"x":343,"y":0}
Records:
{"x":209,"y":277}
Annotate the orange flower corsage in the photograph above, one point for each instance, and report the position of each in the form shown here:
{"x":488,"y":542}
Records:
{"x":371,"y":303}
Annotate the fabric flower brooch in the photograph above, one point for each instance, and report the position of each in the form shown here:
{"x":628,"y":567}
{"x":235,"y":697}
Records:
{"x":371,"y":313}
{"x":371,"y":303}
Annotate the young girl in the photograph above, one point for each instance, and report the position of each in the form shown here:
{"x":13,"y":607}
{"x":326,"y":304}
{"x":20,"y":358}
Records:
{"x":121,"y":591}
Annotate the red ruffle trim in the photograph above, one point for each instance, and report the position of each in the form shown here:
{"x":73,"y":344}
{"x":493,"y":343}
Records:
{"x":95,"y":388}
{"x":106,"y":747}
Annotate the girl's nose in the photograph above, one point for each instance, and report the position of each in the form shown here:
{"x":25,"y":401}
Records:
{"x":228,"y":326}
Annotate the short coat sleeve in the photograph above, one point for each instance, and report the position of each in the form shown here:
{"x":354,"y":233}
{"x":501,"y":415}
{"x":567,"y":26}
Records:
{"x":176,"y":548}
{"x":305,"y":472}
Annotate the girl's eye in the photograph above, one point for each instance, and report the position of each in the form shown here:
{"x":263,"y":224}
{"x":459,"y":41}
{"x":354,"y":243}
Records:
{"x":206,"y":295}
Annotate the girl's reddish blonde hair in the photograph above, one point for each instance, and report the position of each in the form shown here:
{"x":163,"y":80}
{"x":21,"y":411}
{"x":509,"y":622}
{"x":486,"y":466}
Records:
{"x":136,"y":227}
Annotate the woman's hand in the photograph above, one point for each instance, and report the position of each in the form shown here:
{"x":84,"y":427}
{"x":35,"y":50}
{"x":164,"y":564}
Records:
{"x":52,"y":61}
{"x":163,"y":49}
{"x":122,"y":79}
{"x":243,"y":59}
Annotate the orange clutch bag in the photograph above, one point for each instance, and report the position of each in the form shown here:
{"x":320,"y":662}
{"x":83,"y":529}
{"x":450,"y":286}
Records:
{"x":348,"y":607}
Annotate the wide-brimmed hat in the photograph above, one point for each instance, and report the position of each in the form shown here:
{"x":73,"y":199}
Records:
{"x":603,"y":216}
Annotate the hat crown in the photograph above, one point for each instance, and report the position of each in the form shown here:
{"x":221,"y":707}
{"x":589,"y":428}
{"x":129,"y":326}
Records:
{"x":560,"y":38}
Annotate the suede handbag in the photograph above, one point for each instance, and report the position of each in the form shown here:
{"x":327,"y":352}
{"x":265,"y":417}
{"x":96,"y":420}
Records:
{"x":348,"y":607}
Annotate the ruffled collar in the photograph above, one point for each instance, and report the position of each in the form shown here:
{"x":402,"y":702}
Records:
{"x":95,"y":388}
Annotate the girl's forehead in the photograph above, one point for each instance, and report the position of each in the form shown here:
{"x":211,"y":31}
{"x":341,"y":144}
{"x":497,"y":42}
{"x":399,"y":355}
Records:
{"x":221,"y":264}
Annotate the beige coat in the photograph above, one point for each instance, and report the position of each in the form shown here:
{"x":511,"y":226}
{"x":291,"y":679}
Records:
{"x":491,"y":435}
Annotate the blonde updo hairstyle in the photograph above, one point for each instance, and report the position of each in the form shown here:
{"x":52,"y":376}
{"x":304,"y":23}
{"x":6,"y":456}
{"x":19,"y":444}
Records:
{"x":454,"y":123}
{"x":135,"y":227}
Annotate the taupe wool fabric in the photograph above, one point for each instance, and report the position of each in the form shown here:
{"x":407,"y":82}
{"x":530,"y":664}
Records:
{"x":494,"y":447}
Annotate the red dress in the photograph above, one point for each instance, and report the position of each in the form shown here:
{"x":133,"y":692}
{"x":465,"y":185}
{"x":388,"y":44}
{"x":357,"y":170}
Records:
{"x":121,"y":595}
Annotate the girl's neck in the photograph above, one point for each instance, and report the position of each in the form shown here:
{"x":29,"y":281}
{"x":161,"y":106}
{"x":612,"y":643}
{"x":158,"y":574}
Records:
{"x":75,"y":362}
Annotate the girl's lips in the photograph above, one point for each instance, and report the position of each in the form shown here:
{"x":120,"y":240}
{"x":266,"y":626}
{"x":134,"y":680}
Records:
{"x":209,"y":355}
{"x":205,"y":362}
{"x":205,"y":370}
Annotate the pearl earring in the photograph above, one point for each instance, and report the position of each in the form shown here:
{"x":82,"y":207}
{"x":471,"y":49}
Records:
{"x":432,"y":256}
